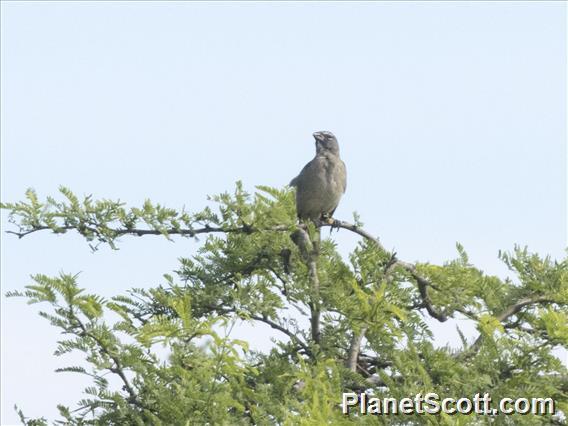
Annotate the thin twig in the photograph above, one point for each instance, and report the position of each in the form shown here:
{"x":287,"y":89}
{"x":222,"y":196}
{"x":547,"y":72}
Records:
{"x":117,"y":368}
{"x":293,"y":336}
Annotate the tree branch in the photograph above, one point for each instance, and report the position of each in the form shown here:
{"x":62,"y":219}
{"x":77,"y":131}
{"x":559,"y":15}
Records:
{"x":309,"y":251}
{"x":421,"y":281}
{"x":315,"y":284}
{"x":117,"y":368}
{"x":245,"y":229}
{"x":354,"y":349}
{"x":293,"y":337}
{"x":306,"y":251}
{"x":513,"y":309}
{"x":508,"y":312}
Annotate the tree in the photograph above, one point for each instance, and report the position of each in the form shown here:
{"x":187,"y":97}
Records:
{"x":366,"y":316}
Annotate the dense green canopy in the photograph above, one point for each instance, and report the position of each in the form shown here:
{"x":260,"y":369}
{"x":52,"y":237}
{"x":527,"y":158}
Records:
{"x":340,"y":325}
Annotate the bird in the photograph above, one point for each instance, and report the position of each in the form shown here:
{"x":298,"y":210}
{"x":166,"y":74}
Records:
{"x":322,"y":181}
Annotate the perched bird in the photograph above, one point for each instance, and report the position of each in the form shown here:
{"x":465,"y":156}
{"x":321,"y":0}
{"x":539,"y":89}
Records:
{"x":322,"y":181}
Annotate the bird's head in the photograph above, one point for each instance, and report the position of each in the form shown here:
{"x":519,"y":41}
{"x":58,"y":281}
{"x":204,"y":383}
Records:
{"x":326,"y":143}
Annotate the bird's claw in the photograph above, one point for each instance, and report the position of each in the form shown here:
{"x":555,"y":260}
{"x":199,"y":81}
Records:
{"x":328,"y":220}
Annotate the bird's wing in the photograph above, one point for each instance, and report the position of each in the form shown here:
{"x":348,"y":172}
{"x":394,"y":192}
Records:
{"x":344,"y":170}
{"x":310,"y":171}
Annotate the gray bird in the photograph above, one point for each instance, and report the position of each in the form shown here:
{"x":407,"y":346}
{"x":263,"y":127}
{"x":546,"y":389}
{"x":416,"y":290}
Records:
{"x":322,"y":181}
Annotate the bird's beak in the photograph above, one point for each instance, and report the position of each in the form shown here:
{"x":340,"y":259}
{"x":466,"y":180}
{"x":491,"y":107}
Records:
{"x":318,"y":136}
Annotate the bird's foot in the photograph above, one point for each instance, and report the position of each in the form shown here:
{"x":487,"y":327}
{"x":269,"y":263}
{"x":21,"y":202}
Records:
{"x":328,"y":220}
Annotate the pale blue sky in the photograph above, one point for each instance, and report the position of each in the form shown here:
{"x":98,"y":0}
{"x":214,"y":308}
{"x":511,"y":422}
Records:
{"x":451,"y":118}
